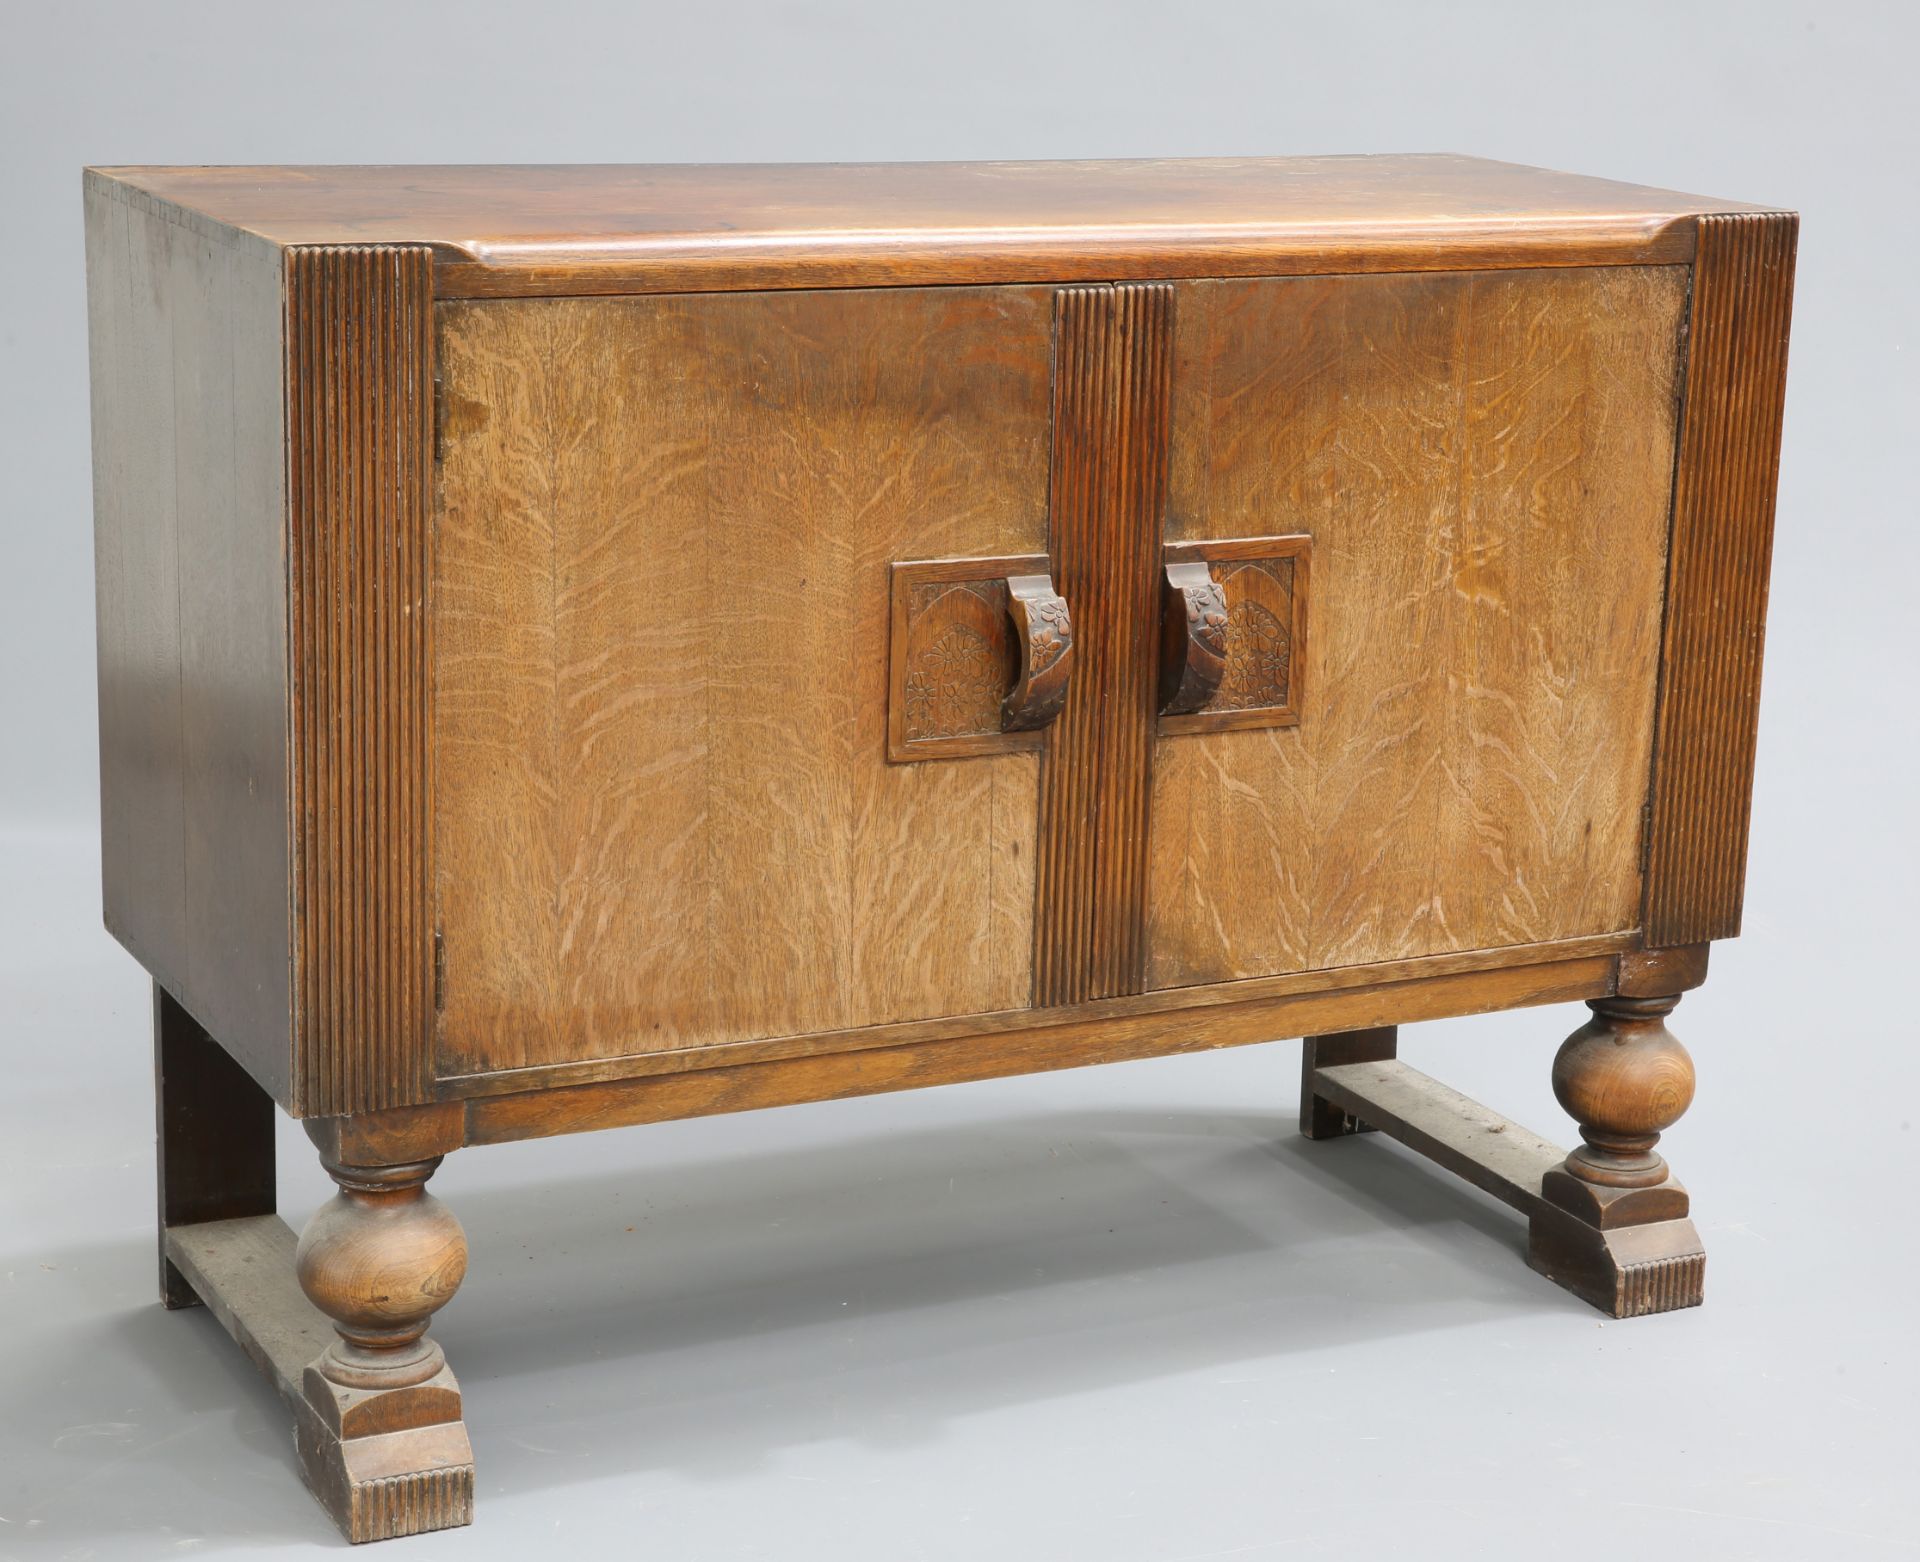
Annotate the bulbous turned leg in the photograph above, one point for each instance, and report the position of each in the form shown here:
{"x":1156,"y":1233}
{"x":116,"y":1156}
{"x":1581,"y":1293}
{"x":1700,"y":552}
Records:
{"x":386,"y":1452}
{"x":379,"y":1260}
{"x":1615,"y":1229}
{"x":1625,"y":1079}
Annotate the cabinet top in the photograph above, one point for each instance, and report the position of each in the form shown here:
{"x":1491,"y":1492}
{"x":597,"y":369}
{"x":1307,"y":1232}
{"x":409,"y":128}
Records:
{"x":501,"y":230}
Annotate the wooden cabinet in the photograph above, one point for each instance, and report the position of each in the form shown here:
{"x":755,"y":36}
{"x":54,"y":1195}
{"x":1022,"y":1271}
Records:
{"x":590,"y":646}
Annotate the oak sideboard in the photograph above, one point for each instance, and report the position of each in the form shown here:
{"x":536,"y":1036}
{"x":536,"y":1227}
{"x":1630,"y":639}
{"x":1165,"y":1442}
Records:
{"x":584,"y":646}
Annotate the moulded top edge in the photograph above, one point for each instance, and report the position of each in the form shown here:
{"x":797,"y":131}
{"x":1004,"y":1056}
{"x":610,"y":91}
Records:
{"x":501,"y":229}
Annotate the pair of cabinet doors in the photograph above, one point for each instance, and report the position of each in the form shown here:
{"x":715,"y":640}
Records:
{"x":677,"y":798}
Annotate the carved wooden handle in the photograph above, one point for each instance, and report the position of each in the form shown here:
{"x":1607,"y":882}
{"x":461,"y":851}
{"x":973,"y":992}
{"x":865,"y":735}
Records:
{"x":1193,"y":639}
{"x":1045,"y":628}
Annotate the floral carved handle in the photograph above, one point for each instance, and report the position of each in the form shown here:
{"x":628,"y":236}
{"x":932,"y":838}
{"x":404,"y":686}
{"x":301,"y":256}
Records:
{"x":1045,"y":631}
{"x":1193,"y":639}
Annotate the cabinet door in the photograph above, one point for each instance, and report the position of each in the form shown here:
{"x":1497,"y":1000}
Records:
{"x":665,"y":814}
{"x":1482,"y":464}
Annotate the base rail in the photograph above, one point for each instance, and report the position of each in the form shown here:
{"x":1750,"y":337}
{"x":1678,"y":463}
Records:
{"x":1629,"y":1252}
{"x":380,"y":1475}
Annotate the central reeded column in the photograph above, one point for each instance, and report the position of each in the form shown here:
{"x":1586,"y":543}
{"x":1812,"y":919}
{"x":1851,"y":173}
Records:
{"x":1112,"y":374}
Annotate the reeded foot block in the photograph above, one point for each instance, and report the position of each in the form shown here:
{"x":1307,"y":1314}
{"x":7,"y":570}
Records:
{"x":1628,"y":1272}
{"x":386,"y":1463}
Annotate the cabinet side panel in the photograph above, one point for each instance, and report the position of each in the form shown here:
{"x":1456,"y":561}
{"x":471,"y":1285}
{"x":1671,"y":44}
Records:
{"x":1717,"y":598}
{"x":360,"y":400}
{"x":136,"y":580}
{"x":189,"y":533}
{"x":1484,"y":463}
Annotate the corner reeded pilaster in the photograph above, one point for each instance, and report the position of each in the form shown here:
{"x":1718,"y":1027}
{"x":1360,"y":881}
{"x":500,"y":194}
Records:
{"x":1718,"y":560}
{"x":359,"y":366}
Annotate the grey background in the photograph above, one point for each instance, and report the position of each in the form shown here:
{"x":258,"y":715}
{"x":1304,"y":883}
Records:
{"x":1121,"y":1313}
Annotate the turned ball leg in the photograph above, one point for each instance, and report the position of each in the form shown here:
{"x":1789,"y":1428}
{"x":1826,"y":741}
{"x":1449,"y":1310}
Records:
{"x":386,"y":1451}
{"x":1625,"y":1079}
{"x":379,"y":1260}
{"x":1614,"y":1228}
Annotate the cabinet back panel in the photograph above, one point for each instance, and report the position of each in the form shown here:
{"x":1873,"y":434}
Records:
{"x":664,"y":812}
{"x":1484,"y":462}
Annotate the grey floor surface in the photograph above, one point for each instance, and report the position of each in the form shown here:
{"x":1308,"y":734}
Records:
{"x":1118,"y":1313}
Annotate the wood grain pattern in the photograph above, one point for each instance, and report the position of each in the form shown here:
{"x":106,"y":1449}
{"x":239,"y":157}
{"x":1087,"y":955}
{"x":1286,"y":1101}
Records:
{"x":660,"y":829}
{"x":522,"y":231}
{"x":405,"y":1133}
{"x":1722,"y":547}
{"x":1625,"y":1079}
{"x":1484,"y":463}
{"x":1452,"y":1130}
{"x":1113,"y":349}
{"x":243,"y":1267}
{"x":189,"y":493}
{"x":1051,"y":1041}
{"x":1653,"y":973}
{"x":380,"y":1258}
{"x":359,"y":396}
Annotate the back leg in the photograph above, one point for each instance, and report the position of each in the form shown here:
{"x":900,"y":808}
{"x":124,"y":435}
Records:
{"x":215,"y":1135}
{"x":1321,"y":1119}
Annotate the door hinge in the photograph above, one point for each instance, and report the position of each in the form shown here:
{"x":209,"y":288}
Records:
{"x":439,"y":971}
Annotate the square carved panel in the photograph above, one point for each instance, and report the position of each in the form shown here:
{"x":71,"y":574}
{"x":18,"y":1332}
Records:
{"x":1264,"y":581}
{"x":953,"y":656}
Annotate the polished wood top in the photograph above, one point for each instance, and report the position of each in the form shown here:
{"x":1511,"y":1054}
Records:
{"x":515,"y":230}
